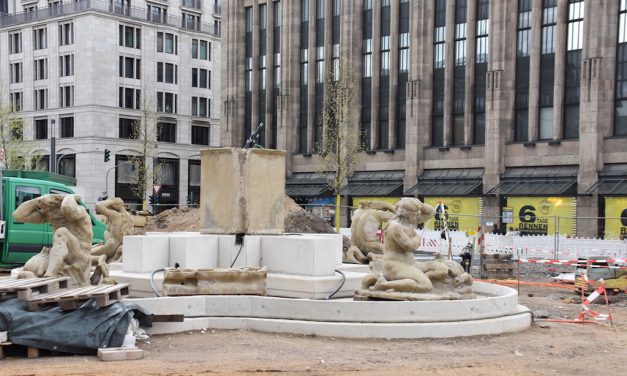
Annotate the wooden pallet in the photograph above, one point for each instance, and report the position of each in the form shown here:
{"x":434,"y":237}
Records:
{"x":73,"y":298}
{"x":31,"y":352}
{"x":24,"y":288}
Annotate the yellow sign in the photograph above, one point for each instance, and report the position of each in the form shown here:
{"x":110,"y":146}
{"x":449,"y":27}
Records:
{"x":462,"y":213}
{"x":615,"y":217}
{"x":538,"y":215}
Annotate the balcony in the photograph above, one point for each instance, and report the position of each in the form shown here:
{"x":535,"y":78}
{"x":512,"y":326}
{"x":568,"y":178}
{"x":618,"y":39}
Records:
{"x":80,"y":6}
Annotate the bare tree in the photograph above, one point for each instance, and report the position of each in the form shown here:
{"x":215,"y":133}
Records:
{"x":341,"y":143}
{"x":145,"y":132}
{"x":18,"y":154}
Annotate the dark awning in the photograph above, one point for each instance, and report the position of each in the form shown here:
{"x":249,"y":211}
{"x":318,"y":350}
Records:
{"x":612,"y":181}
{"x":307,"y":184}
{"x":537,"y":181}
{"x":449,"y":182}
{"x":375,"y":183}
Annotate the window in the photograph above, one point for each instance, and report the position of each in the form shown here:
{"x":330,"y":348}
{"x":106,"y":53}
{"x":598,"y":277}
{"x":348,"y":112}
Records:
{"x":200,"y":78}
{"x":521,"y":101}
{"x":200,"y":135}
{"x":129,"y":98}
{"x":16,"y":73}
{"x":67,"y":167}
{"x":304,"y":77}
{"x":201,"y":49}
{"x":29,"y":8}
{"x":190,"y":21}
{"x":130,"y":36}
{"x":167,"y":43}
{"x":127,"y":128}
{"x":481,"y":69}
{"x":166,"y":102}
{"x":25,"y":193}
{"x":572,"y":69}
{"x":130,"y":67}
{"x":547,"y":68}
{"x":459,"y":72}
{"x":620,"y":113}
{"x":41,"y":129}
{"x":67,"y":127}
{"x":156,"y":13}
{"x":40,"y":69}
{"x":66,"y":33}
{"x":15,"y":42}
{"x":437,"y":121}
{"x":15,"y":98}
{"x":200,"y":107}
{"x":167,"y":73}
{"x":40,"y":40}
{"x":166,"y":132}
{"x":41,"y":99}
{"x":66,"y":96}
{"x":66,"y":65}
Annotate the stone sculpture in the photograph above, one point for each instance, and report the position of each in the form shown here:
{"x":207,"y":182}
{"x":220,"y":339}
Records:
{"x":365,"y":245}
{"x":119,"y":224}
{"x":401,"y":278}
{"x":71,"y":244}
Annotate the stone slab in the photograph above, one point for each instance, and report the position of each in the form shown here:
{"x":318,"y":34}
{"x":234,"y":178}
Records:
{"x":193,"y":251}
{"x":143,"y":254}
{"x":250,"y":194}
{"x":120,"y":353}
{"x":506,"y":324}
{"x":215,"y":281}
{"x":300,"y":254}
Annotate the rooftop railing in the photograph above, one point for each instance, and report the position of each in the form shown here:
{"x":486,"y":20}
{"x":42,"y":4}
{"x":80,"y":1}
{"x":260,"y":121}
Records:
{"x":79,"y":6}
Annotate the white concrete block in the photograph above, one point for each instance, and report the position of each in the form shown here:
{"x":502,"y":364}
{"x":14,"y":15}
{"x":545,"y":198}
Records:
{"x":249,"y":251}
{"x":143,"y":254}
{"x":307,"y":287}
{"x":194,"y":251}
{"x":337,"y":244}
{"x":300,"y":254}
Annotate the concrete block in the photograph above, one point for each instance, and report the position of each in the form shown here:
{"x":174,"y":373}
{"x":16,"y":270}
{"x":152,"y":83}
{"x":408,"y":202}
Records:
{"x":120,"y":353}
{"x":249,"y":198}
{"x":307,"y":287}
{"x":194,"y":251}
{"x":300,"y":254}
{"x":143,"y":254}
{"x":249,"y":251}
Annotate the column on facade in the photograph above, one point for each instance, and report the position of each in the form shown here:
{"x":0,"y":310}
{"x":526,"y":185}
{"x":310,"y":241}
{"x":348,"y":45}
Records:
{"x":469,"y":87}
{"x":393,"y":89}
{"x":287,"y":111}
{"x":449,"y":72}
{"x":255,"y":100}
{"x":419,"y":94}
{"x":270,"y":99}
{"x":351,"y":50}
{"x":534,"y":70}
{"x":500,"y":85}
{"x":233,"y":80}
{"x":328,"y":49}
{"x":376,"y":74}
{"x":560,"y":66}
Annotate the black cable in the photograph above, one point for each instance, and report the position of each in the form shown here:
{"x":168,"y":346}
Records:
{"x":152,"y":282}
{"x":240,"y":249}
{"x":339,"y":287}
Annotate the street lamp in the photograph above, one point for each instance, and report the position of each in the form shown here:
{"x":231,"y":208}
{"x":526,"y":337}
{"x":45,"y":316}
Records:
{"x":106,"y":191}
{"x":52,"y":163}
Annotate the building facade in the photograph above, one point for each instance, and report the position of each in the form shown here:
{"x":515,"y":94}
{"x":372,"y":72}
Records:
{"x":496,"y":108}
{"x":85,"y":71}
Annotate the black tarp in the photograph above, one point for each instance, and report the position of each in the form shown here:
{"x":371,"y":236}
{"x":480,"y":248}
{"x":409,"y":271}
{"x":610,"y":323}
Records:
{"x":81,"y":331}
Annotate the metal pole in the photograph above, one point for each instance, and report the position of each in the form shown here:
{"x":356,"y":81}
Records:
{"x":555,"y":238}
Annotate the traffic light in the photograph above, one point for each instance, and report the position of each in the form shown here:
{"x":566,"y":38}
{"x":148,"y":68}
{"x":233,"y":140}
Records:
{"x":107,"y":155}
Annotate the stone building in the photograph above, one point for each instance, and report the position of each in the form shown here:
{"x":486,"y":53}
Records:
{"x":514,"y":108}
{"x":83,"y":72}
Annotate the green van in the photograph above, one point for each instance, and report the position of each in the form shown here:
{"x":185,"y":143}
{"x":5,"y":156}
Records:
{"x":21,"y":241}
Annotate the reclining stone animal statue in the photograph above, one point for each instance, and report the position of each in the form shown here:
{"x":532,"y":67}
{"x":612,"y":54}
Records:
{"x":402,"y":278}
{"x":119,"y":224}
{"x":71,"y":244}
{"x":365,"y":245}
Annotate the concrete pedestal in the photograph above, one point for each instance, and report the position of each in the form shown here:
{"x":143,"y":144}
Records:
{"x":242,"y":191}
